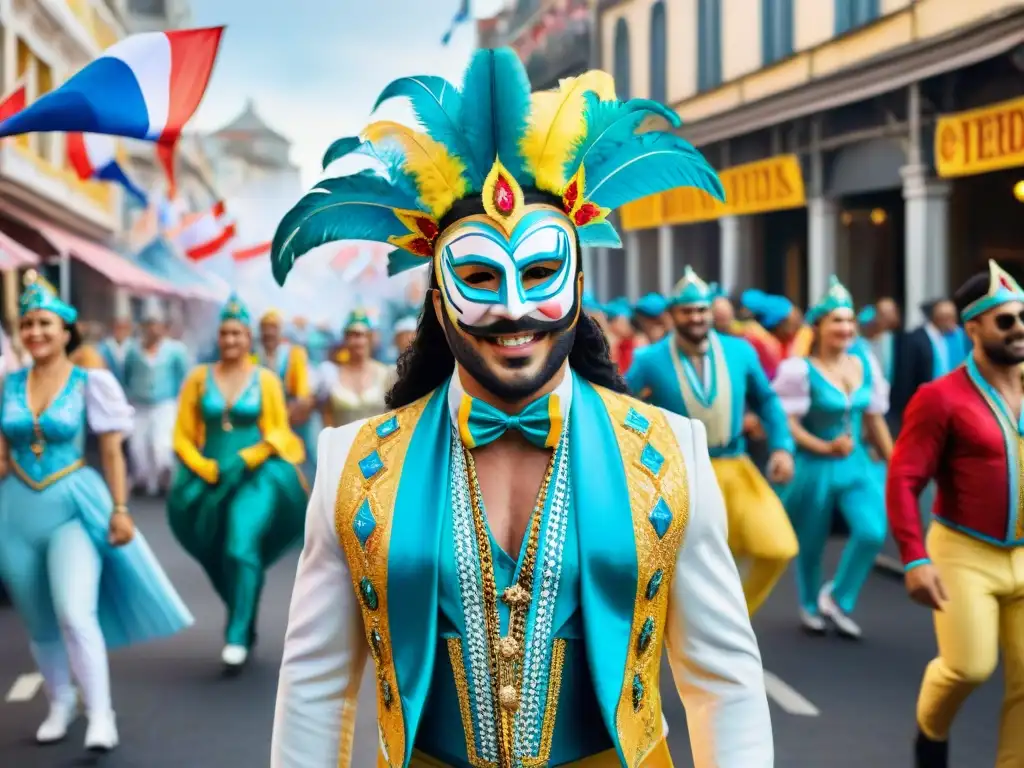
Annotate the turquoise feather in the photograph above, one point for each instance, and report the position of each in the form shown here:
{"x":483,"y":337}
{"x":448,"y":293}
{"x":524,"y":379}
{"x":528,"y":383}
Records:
{"x":611,"y":124}
{"x":392,"y":160}
{"x":651,"y":163}
{"x":600,"y":234}
{"x":357,"y":207}
{"x":438,"y":107}
{"x":496,"y":110}
{"x":340,"y":148}
{"x":400,"y":261}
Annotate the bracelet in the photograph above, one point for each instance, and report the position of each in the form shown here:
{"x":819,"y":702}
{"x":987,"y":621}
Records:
{"x":120,"y":509}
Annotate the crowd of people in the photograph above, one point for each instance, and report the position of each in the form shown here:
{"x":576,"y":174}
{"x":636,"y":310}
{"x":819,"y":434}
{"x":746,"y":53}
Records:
{"x":545,"y":493}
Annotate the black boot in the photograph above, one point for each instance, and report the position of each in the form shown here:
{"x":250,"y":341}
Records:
{"x":930,"y":754}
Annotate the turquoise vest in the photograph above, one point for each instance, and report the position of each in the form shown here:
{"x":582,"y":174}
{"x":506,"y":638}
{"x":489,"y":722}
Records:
{"x":394,"y":497}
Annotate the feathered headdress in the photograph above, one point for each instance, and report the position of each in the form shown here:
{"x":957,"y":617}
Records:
{"x":837,"y":297}
{"x":1002,"y":288}
{"x":495,"y":139}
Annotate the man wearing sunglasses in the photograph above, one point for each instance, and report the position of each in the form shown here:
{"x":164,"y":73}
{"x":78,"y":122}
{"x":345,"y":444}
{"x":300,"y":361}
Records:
{"x":966,"y":431}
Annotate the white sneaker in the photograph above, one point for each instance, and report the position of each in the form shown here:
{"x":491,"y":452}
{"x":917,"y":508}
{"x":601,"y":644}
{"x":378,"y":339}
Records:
{"x":234,"y":655}
{"x":55,"y":727}
{"x":101,"y":735}
{"x":844,"y":625}
{"x":812,"y":623}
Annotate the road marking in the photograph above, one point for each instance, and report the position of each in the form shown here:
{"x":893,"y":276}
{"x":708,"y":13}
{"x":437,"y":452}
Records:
{"x":25,"y":688}
{"x":787,"y":698}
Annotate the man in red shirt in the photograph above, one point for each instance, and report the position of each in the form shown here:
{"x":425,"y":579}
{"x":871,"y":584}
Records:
{"x":966,"y":430}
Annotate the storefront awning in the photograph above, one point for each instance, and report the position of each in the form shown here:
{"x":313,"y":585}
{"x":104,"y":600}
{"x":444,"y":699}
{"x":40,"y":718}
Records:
{"x":115,"y":268}
{"x":160,"y":260}
{"x":14,"y":255}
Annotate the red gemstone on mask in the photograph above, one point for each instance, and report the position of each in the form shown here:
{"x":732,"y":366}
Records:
{"x":1005,"y":283}
{"x":421,"y":247}
{"x":427,"y":228}
{"x":572,"y":192}
{"x":504,"y":198}
{"x":587,"y":212}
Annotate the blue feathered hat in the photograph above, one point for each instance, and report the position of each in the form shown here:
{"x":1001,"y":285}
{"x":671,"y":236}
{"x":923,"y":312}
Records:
{"x":837,"y":297}
{"x":618,"y":308}
{"x":769,"y":310}
{"x":492,"y":140}
{"x":652,"y":305}
{"x":39,"y":294}
{"x":590,"y":303}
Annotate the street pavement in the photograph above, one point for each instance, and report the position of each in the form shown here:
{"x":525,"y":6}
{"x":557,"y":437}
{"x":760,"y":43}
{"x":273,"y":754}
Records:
{"x":835,"y":703}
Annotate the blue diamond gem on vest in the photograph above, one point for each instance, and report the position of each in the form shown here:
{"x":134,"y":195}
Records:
{"x":643,"y":640}
{"x":636,"y":421}
{"x":371,"y":465}
{"x":661,"y":518}
{"x":652,"y":459}
{"x":368,"y":594}
{"x":364,"y":523}
{"x":654,"y":584}
{"x":385,"y":694}
{"x":638,"y":693}
{"x":387,"y":428}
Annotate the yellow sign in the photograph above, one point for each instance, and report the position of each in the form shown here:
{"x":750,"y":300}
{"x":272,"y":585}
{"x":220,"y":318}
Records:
{"x":774,"y":184}
{"x":982,"y":140}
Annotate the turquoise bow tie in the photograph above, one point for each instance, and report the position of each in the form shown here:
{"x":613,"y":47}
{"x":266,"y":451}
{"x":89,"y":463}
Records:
{"x":481,"y":423}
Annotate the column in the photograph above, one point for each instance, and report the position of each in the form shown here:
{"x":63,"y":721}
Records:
{"x":729,"y":252}
{"x":926,"y":259}
{"x":666,"y":276}
{"x":122,"y":304}
{"x":10,"y":59}
{"x":600,"y":285}
{"x":823,"y":225}
{"x":632,"y":266}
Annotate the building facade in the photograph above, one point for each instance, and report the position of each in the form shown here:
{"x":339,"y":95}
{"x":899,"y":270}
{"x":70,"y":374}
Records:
{"x":880,"y":140}
{"x":44,"y":208}
{"x":155,"y":15}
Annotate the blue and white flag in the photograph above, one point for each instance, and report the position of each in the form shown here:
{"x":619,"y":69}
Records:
{"x":461,"y":17}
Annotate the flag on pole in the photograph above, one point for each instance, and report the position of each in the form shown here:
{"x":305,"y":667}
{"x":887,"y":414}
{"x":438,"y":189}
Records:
{"x":94,"y":156}
{"x":145,"y":87}
{"x":461,"y":17}
{"x":13,"y":102}
{"x":206,"y":234}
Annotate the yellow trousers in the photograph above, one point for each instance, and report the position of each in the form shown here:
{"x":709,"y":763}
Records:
{"x":656,"y":758}
{"x":985,"y":614}
{"x":759,"y":529}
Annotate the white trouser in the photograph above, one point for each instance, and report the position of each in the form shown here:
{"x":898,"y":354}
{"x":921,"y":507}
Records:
{"x":74,"y":566}
{"x":151,"y":446}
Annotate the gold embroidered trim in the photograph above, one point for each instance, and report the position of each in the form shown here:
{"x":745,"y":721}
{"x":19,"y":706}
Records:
{"x":47,"y":481}
{"x":638,"y":720}
{"x":462,"y":689}
{"x":550,"y":706}
{"x":369,"y":565}
{"x":1009,"y":433}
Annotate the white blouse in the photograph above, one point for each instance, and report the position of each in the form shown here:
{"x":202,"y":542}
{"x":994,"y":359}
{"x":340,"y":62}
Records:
{"x":106,"y":407}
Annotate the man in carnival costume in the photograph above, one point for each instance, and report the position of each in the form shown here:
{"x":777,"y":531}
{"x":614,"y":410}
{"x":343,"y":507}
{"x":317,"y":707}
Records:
{"x":712,"y":378}
{"x":964,"y":430}
{"x":291,"y":364}
{"x":487,"y":608}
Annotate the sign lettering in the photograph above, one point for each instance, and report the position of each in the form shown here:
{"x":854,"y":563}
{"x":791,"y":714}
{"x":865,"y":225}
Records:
{"x":980,"y":141}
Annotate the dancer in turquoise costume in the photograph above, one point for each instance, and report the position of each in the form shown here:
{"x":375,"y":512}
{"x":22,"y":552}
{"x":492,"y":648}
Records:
{"x":80,"y":576}
{"x":517,"y":541}
{"x":833,"y":397}
{"x":699,"y":373}
{"x":238,"y":499}
{"x":650,"y":314}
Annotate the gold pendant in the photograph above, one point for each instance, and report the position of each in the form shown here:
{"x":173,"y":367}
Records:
{"x":226,"y":424}
{"x":37,"y":449}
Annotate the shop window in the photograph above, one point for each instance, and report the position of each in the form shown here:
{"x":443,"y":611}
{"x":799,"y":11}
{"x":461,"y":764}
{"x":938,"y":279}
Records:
{"x":851,"y":14}
{"x":659,"y":53}
{"x":621,"y":65}
{"x":709,"y":44}
{"x":776,"y":30}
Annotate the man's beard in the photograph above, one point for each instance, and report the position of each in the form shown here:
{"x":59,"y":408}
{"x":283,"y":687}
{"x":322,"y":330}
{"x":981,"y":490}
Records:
{"x":509,"y":391}
{"x":999,"y":352}
{"x":695,"y":336}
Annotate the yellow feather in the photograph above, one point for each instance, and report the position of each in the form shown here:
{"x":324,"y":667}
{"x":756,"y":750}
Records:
{"x":557,"y":123}
{"x":438,"y":174}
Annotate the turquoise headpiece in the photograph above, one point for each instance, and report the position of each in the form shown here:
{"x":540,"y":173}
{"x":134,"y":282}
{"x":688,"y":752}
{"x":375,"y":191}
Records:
{"x":768,"y":309}
{"x":691,"y":290}
{"x":618,"y":308}
{"x":358,"y":320}
{"x":866,"y":315}
{"x":236,"y":310}
{"x":837,"y":297}
{"x":590,"y":303}
{"x":652,"y":305}
{"x":1002,"y":289}
{"x":40,"y":295}
{"x":578,"y":144}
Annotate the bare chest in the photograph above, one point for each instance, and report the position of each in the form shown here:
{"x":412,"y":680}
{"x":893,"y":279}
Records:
{"x":510,"y":479}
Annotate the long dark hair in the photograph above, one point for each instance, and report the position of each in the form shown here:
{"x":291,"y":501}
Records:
{"x":428,"y":362}
{"x":74,"y":337}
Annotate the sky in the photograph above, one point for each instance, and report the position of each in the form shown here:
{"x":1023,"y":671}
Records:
{"x":315,"y":67}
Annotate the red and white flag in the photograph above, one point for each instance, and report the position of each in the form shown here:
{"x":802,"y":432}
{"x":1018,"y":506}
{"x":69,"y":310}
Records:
{"x":252,"y":251}
{"x":206,"y":234}
{"x":13,"y":102}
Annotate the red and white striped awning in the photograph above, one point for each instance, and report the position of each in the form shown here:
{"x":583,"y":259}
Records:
{"x":14,"y":255}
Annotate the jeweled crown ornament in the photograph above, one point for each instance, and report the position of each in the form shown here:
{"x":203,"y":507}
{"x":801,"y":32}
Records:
{"x":577,"y":147}
{"x":1002,"y":288}
{"x":691,"y":289}
{"x":837,"y":297}
{"x":39,"y":294}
